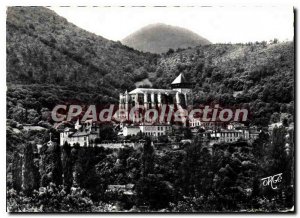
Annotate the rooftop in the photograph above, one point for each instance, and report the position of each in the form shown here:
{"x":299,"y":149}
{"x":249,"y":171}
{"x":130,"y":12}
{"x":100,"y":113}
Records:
{"x":179,"y":79}
{"x":150,"y":90}
{"x":80,"y":133}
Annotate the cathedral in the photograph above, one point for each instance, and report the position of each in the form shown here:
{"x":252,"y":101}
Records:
{"x":180,"y":94}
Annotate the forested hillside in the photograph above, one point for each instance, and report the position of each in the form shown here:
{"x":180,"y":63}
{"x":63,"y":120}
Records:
{"x":45,"y":52}
{"x":255,"y":75}
{"x":44,"y":48}
{"x":51,"y":61}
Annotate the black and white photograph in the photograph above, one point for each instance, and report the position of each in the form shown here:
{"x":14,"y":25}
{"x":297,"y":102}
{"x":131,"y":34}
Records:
{"x":150,"y":109}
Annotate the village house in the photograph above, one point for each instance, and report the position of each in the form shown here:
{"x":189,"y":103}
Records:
{"x":155,"y":130}
{"x":148,"y":130}
{"x":83,"y":134}
{"x":229,"y":135}
{"x":131,"y":130}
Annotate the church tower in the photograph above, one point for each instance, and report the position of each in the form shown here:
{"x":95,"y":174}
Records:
{"x":184,"y":87}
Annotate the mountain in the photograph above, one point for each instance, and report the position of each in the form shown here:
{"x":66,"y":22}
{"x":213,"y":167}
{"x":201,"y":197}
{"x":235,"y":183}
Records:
{"x":51,"y":61}
{"x":159,"y":38}
{"x":44,"y":48}
{"x":257,"y":76}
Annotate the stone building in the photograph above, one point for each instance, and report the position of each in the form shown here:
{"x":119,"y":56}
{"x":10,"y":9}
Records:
{"x":131,"y":130}
{"x":155,"y":130}
{"x":148,"y":130}
{"x":179,"y":95}
{"x":83,"y":134}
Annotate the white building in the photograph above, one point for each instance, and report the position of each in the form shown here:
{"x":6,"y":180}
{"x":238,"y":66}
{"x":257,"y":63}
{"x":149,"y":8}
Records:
{"x":180,"y":94}
{"x":275,"y":125}
{"x":131,"y":130}
{"x":194,"y":122}
{"x":155,"y":130}
{"x":84,"y":135}
{"x":213,"y":125}
{"x":231,"y":135}
{"x":235,"y":125}
{"x":148,"y":130}
{"x":225,"y":135}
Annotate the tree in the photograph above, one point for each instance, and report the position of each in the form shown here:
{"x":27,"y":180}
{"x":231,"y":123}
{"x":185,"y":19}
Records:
{"x":275,"y":118}
{"x":107,"y":133}
{"x":275,"y":41}
{"x":278,"y":154}
{"x":280,"y":160}
{"x":147,"y":158}
{"x":85,"y":175}
{"x":153,"y":192}
{"x":56,"y":164}
{"x":163,"y":139}
{"x":196,"y":170}
{"x":43,"y":165}
{"x":67,"y":166}
{"x":30,"y":172}
{"x":259,"y":146}
{"x":187,"y":133}
{"x":234,"y":171}
{"x":170,"y":51}
{"x":17,"y":171}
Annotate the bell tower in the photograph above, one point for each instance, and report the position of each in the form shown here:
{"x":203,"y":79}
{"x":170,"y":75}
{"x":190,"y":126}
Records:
{"x":181,"y":85}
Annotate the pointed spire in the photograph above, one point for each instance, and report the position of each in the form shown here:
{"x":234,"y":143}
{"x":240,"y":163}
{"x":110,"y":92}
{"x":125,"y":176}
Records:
{"x":77,"y":125}
{"x":50,"y":143}
{"x":179,"y":79}
{"x":181,"y":82}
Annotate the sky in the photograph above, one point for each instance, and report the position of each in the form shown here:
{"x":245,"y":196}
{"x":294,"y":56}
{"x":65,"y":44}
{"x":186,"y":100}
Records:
{"x":235,"y":24}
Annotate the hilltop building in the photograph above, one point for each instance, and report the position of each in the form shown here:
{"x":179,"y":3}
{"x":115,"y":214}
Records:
{"x":179,"y":95}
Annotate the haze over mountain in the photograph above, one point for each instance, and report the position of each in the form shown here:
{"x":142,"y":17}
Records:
{"x":159,"y":38}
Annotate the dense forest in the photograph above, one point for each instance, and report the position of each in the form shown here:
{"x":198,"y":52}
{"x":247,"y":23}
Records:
{"x":43,"y":48}
{"x":45,"y":52}
{"x":195,"y":179}
{"x":225,"y":177}
{"x":51,"y":61}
